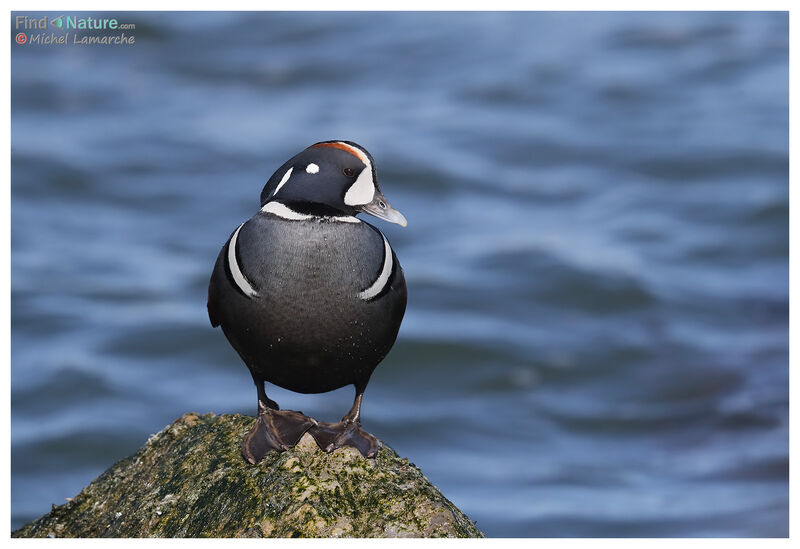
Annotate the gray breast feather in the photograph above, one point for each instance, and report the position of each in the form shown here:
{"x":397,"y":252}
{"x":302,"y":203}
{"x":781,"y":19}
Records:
{"x":298,"y":257}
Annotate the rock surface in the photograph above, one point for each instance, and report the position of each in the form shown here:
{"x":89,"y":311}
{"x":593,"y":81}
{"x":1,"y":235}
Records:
{"x":190,"y":480}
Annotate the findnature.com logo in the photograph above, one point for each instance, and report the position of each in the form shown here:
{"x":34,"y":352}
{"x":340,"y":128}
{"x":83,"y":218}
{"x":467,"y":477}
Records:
{"x":45,"y":30}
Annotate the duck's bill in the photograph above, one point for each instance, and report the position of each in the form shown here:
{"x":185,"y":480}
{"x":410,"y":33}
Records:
{"x":380,"y":208}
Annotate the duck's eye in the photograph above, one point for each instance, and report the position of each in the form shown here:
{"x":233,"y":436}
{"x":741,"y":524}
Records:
{"x":348,"y":172}
{"x":382,"y":204}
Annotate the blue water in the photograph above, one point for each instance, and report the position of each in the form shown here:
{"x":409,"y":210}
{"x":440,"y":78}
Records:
{"x":596,"y":341}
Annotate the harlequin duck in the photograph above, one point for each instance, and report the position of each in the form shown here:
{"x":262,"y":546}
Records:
{"x":310,"y":296}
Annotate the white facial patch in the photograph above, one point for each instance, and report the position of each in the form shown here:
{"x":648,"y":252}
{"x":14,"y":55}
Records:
{"x":380,"y":283}
{"x":312,"y":168}
{"x":284,"y":179}
{"x":363,"y":190}
{"x":233,"y":265}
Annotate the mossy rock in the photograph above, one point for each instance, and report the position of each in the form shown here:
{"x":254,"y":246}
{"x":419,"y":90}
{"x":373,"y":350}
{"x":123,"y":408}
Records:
{"x":190,"y":480}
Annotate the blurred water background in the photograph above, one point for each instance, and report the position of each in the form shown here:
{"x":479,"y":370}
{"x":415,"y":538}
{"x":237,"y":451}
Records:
{"x":596,"y":341}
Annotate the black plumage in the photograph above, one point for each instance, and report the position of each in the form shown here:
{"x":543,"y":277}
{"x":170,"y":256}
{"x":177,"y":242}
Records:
{"x":309,"y":296}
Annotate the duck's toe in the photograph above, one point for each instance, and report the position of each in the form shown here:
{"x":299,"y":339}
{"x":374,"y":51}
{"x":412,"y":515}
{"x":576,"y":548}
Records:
{"x":330,"y":436}
{"x":274,"y":430}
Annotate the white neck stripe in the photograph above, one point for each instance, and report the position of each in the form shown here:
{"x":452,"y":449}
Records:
{"x":236,"y":272}
{"x":285,"y":212}
{"x":383,"y":278}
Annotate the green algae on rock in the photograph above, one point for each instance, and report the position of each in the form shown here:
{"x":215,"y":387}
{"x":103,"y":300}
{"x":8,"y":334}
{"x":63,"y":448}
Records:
{"x":190,"y":480}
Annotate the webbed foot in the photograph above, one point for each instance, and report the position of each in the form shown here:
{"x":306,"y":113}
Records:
{"x":274,"y":430}
{"x":330,"y":436}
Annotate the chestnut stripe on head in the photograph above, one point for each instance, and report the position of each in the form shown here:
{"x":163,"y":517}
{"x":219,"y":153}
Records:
{"x":347,"y":148}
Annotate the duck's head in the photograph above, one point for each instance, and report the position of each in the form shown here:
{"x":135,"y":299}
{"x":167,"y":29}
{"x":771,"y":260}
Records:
{"x":329,"y":176}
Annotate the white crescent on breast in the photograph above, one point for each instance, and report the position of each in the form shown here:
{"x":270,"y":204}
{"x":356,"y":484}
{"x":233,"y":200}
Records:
{"x":236,"y":272}
{"x":383,"y":278}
